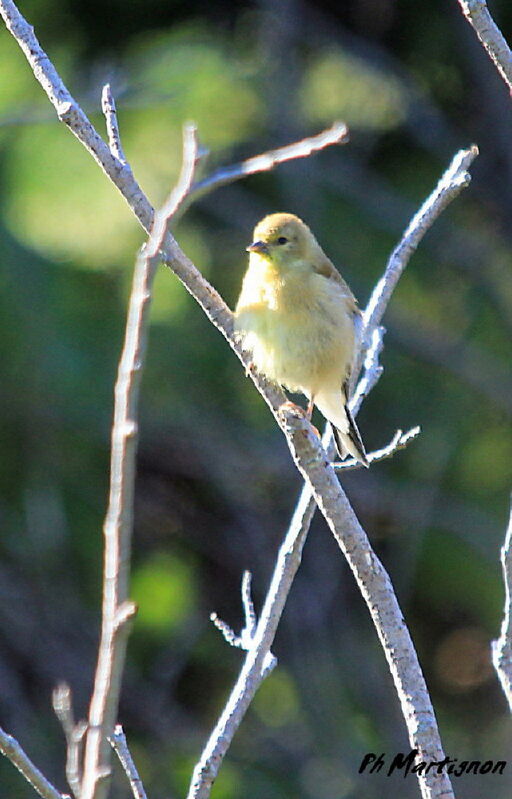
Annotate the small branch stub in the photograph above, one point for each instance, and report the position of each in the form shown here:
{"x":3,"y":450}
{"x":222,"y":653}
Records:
{"x":62,"y":705}
{"x":108,"y":107}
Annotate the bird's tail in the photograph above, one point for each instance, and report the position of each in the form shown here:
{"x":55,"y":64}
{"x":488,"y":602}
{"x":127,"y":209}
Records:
{"x":350,"y":443}
{"x":346,"y":435}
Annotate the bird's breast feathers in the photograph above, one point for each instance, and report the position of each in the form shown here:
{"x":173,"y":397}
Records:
{"x":298,"y":325}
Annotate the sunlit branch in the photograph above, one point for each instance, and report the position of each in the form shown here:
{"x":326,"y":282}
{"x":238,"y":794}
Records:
{"x":245,"y":639}
{"x":10,"y":747}
{"x":336,"y":134}
{"x":119,"y":744}
{"x":502,"y":648}
{"x":399,"y":441}
{"x":450,"y":185}
{"x":477,"y":14}
{"x":108,"y":107}
{"x":61,"y":700}
{"x":116,"y":608}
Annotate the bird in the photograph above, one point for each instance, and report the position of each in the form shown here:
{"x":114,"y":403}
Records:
{"x":301,"y":323}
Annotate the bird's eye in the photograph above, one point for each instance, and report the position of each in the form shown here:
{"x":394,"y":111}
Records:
{"x":282,"y":240}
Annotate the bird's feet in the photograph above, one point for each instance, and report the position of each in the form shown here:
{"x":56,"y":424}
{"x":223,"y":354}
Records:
{"x":250,"y":367}
{"x":298,"y":409}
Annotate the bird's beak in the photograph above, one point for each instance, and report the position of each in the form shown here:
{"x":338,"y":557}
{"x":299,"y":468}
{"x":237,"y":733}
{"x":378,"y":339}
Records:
{"x":258,"y":246}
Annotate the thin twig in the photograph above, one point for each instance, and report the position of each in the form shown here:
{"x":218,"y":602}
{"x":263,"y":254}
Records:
{"x":450,"y":185}
{"x":477,"y":14}
{"x":248,"y":605}
{"x":117,"y":609}
{"x":10,"y":747}
{"x":336,"y":134}
{"x":246,"y":638}
{"x":502,"y":648}
{"x":253,"y":669}
{"x":61,"y":700}
{"x":399,"y":441}
{"x":119,"y":744}
{"x":108,"y":107}
{"x":228,"y":633}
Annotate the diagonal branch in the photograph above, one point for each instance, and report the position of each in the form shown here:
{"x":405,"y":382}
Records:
{"x":290,"y":552}
{"x":450,"y":185}
{"x":478,"y":16}
{"x":399,"y":441}
{"x":502,"y":648}
{"x":117,"y":609}
{"x":119,"y":744}
{"x":336,"y":134}
{"x":10,"y":747}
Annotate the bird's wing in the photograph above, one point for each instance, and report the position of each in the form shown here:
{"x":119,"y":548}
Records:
{"x":323,"y":266}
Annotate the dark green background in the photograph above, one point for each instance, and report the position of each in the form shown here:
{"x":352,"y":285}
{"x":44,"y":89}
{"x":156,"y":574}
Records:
{"x":215,"y":485}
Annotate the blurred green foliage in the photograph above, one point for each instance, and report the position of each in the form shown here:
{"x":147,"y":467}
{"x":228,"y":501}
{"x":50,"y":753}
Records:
{"x":215,"y":486}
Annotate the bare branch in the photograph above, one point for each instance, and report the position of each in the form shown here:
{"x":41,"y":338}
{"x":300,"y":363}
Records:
{"x":10,"y":747}
{"x":502,"y":648}
{"x":119,"y":744}
{"x":450,"y":185}
{"x":478,"y":16}
{"x":253,"y":670}
{"x":399,"y":441}
{"x":378,"y":593}
{"x":61,"y":699}
{"x":244,"y":640}
{"x":114,"y":166}
{"x":180,"y":192}
{"x":248,"y":605}
{"x":247,"y":635}
{"x":228,"y":633}
{"x":336,"y":134}
{"x":108,"y":107}
{"x":117,"y":609}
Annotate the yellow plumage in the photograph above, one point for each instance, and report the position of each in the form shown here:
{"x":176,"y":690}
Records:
{"x":299,"y":319}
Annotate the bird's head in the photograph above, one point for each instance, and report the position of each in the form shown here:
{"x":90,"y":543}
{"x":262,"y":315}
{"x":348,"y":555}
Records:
{"x":283,"y":239}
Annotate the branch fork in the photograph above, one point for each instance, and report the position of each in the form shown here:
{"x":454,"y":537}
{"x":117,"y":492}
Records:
{"x":246,"y":639}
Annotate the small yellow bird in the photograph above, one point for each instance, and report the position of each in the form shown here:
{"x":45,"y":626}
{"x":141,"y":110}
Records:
{"x":300,"y":321}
